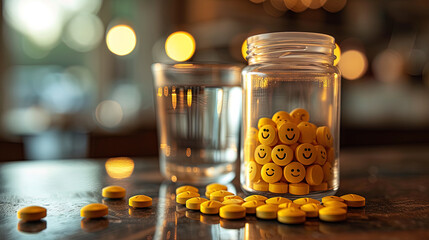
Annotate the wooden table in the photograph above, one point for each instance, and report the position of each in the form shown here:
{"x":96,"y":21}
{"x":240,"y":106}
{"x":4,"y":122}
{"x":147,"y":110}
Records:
{"x":394,"y":180}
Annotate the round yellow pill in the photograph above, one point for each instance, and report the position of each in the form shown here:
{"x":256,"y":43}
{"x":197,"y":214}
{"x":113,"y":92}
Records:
{"x":185,"y":189}
{"x":260,"y":186}
{"x":321,"y":155}
{"x":294,"y":172}
{"x":271,"y":173}
{"x":182,"y":197}
{"x":262,"y":154}
{"x":255,"y":198}
{"x":288,"y":205}
{"x":194,"y":203}
{"x":281,"y":155}
{"x":233,"y":197}
{"x":278,"y":187}
{"x":311,"y":209}
{"x":253,"y":171}
{"x":299,"y":188}
{"x":305,"y":153}
{"x":302,"y":201}
{"x":331,"y":198}
{"x":210,"y":207}
{"x":324,"y":137}
{"x":332,"y":214}
{"x":267,"y":211}
{"x":232,"y":212}
{"x":216,"y":186}
{"x":308,"y":133}
{"x":114,"y":192}
{"x":233,"y":201}
{"x":277,"y":200}
{"x":327,"y":171}
{"x":267,"y":135}
{"x":321,"y":187}
{"x":252,"y":133}
{"x":252,"y":205}
{"x":266,"y":121}
{"x":141,"y":201}
{"x":354,"y":200}
{"x":94,"y":210}
{"x":291,"y":216}
{"x":281,"y":115}
{"x":331,"y":154}
{"x":314,"y":175}
{"x":32,"y":213}
{"x":335,"y":204}
{"x":300,"y":115}
{"x":288,"y":133}
{"x":219,"y":195}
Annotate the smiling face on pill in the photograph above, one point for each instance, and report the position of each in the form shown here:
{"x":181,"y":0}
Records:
{"x":294,"y":172}
{"x":267,"y":135}
{"x":262,"y":154}
{"x":281,"y":115}
{"x":271,"y":173}
{"x":281,"y":155}
{"x":321,"y":155}
{"x":289,"y":133}
{"x":324,"y":137}
{"x":253,"y":171}
{"x":305,"y":153}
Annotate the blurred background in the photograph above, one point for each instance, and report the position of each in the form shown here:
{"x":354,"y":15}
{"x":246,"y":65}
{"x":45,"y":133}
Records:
{"x":76,"y":81}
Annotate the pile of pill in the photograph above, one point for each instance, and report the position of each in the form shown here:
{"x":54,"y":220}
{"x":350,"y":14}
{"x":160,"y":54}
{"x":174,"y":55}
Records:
{"x":229,"y":206}
{"x":288,"y":154}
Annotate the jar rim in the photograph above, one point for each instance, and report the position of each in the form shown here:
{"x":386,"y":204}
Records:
{"x":317,"y":37}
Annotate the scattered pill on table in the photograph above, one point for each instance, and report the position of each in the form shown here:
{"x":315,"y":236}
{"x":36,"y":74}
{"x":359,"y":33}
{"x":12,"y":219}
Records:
{"x":32,"y":213}
{"x":210,"y":207}
{"x":354,"y":200}
{"x":186,"y":188}
{"x":113,"y":192}
{"x":195,"y":203}
{"x":232,"y":212}
{"x":140,"y":201}
{"x":94,"y":210}
{"x":267,"y":211}
{"x":291,"y":216}
{"x":332,"y":214}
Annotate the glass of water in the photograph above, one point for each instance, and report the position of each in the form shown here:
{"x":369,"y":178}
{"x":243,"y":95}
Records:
{"x":198,"y":116}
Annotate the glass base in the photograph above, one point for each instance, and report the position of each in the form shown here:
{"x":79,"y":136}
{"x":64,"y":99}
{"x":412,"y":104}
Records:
{"x":315,"y":195}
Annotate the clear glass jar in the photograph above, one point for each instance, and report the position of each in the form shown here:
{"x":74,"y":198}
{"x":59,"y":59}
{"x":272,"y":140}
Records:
{"x":291,"y":116}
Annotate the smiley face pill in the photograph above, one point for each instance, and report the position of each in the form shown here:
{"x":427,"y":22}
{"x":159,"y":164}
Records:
{"x":271,"y":173}
{"x":268,"y":135}
{"x":32,"y":213}
{"x":141,"y":201}
{"x":262,"y":154}
{"x":281,"y":155}
{"x":94,"y":210}
{"x":289,"y":133}
{"x":294,"y":172}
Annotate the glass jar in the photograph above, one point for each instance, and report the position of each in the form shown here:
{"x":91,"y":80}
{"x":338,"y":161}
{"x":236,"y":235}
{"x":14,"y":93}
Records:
{"x":291,"y":116}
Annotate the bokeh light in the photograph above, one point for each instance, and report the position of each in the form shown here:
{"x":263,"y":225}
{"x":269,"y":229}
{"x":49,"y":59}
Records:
{"x":121,"y":40}
{"x":388,"y":66}
{"x":180,"y":46}
{"x":353,"y":64}
{"x":109,"y":113}
{"x":313,"y":4}
{"x":275,"y":8}
{"x":334,"y":5}
{"x":244,"y":50}
{"x":337,"y":53}
{"x":84,"y":32}
{"x":119,"y":167}
{"x":295,"y":5}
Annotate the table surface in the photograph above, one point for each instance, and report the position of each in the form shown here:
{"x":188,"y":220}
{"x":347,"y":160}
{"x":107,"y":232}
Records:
{"x":394,"y":180}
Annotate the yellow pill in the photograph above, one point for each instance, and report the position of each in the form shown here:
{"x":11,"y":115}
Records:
{"x":232,"y":212}
{"x":331,"y":154}
{"x":281,"y":122}
{"x":308,"y":133}
{"x":302,"y":201}
{"x":113,"y":192}
{"x":311,"y":209}
{"x":233,"y":201}
{"x":321,"y":155}
{"x":281,"y":155}
{"x":288,"y":133}
{"x":266,"y":121}
{"x":267,"y":211}
{"x":331,"y":198}
{"x":281,"y":115}
{"x":277,"y":200}
{"x":321,"y":187}
{"x":219,"y":195}
{"x":261,"y":186}
{"x":210,"y":207}
{"x":278,"y":187}
{"x":332,"y":214}
{"x":252,"y":133}
{"x":354,"y":200}
{"x":249,"y":149}
{"x":300,"y":115}
{"x":253,"y":171}
{"x":271,"y":173}
{"x":291,"y":216}
{"x":143,"y":201}
{"x":185,"y":189}
{"x":195,"y":203}
{"x":324,"y":137}
{"x":182,"y":197}
{"x":255,"y":198}
{"x":268,"y":135}
{"x":327,"y":171}
{"x":251,"y":206}
{"x":305,"y":153}
{"x":216,"y":186}
{"x":233,"y":197}
{"x":335,"y":204}
{"x":299,"y":188}
{"x":94,"y":210}
{"x":314,"y":175}
{"x":262,"y":154}
{"x":289,"y":205}
{"x":32,"y":213}
{"x":294,"y":172}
